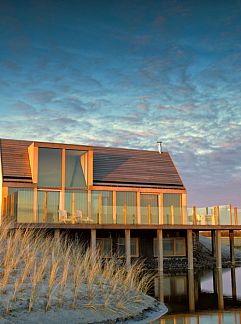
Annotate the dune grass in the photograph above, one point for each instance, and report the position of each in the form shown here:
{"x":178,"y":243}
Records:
{"x":41,"y":272}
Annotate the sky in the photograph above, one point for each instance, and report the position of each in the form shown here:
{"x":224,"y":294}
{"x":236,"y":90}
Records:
{"x":126,"y":74}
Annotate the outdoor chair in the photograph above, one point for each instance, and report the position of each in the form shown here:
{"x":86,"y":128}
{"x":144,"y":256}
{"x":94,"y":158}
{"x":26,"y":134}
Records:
{"x":80,"y":218}
{"x":63,"y":216}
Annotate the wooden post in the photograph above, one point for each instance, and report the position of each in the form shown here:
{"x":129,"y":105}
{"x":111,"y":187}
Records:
{"x":45,"y":206}
{"x":89,"y":210}
{"x":218,"y":216}
{"x":114,"y":206}
{"x":190,"y":249}
{"x":218,"y":249}
{"x":99,"y":208}
{"x":35,"y":205}
{"x":160,"y":204}
{"x":149,"y":214}
{"x":236,"y":215}
{"x":220,"y":289}
{"x":138,"y":207}
{"x":231,"y":245}
{"x":160,"y":250}
{"x":230,"y":214}
{"x":172,"y":215}
{"x":213,"y":243}
{"x":191,"y":291}
{"x":73,"y":208}
{"x":57,"y":233}
{"x":233,"y":280}
{"x":125,"y":213}
{"x":93,"y":240}
{"x":194,"y":214}
{"x":184,"y":209}
{"x":128,"y":248}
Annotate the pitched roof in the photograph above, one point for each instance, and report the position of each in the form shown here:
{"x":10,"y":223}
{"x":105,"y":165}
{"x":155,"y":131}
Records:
{"x":134,"y":168}
{"x":112,"y":166}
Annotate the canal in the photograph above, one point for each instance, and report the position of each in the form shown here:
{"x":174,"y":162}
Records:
{"x":206,"y":297}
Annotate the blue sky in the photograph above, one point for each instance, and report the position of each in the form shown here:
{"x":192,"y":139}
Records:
{"x":127,"y":73}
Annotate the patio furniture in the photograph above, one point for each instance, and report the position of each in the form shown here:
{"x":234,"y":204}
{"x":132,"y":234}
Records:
{"x":81,"y":218}
{"x":63,"y":216}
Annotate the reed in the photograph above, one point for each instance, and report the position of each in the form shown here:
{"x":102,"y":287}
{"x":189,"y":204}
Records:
{"x":42,"y":272}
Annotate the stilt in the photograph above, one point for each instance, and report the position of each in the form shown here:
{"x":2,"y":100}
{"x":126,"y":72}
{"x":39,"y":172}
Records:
{"x":57,"y":233}
{"x":160,"y":250}
{"x":231,"y":245}
{"x":93,"y":240}
{"x":233,"y":281}
{"x":218,"y":249}
{"x":128,"y":247}
{"x":190,"y":249}
{"x":191,"y":291}
{"x":220,"y":289}
{"x":213,"y":243}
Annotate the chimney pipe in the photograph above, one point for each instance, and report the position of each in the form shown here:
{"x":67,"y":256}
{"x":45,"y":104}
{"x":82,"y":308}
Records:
{"x":159,"y":143}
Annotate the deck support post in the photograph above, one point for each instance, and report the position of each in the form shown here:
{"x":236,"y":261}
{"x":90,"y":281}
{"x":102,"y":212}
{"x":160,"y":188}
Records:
{"x":93,"y":240}
{"x":218,"y":249}
{"x":128,"y":248}
{"x":191,"y":290}
{"x":57,"y":233}
{"x":231,"y":245}
{"x":220,"y":289}
{"x":233,"y":280}
{"x":190,"y":249}
{"x":213,"y":243}
{"x":160,"y":250}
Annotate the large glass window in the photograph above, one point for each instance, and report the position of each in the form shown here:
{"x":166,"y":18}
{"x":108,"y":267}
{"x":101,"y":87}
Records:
{"x":48,"y":206}
{"x":76,"y":169}
{"x":125,"y":207}
{"x":49,"y":168}
{"x":102,"y":207}
{"x":172,"y":209}
{"x":149,"y":209}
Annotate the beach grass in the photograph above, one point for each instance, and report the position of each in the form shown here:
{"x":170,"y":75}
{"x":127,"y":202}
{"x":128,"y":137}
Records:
{"x":41,"y":272}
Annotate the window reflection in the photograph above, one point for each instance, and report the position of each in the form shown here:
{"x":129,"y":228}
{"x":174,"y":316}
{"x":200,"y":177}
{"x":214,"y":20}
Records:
{"x":49,"y":167}
{"x":102,"y":207}
{"x":149,"y":209}
{"x":125,"y":207}
{"x":76,"y":169}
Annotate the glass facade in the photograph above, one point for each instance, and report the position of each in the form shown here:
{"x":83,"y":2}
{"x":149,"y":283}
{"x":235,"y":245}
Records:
{"x":49,"y":168}
{"x":102,"y":207}
{"x":126,"y":207}
{"x":149,"y":209}
{"x":172,"y":209}
{"x":75,"y":169}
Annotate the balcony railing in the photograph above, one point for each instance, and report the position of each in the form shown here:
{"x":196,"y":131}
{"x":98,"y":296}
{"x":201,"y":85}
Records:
{"x":25,"y":206}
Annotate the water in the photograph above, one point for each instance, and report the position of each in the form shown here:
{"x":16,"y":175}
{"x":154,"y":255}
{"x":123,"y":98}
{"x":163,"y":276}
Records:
{"x":208,"y":297}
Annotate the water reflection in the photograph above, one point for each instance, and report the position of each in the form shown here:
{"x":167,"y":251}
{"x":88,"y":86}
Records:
{"x":208,"y":297}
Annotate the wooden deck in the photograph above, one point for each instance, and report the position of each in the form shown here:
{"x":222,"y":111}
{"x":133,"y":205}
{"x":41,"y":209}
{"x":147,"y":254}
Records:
{"x":127,"y":226}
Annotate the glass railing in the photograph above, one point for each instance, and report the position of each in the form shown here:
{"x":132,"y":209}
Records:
{"x":23,"y":206}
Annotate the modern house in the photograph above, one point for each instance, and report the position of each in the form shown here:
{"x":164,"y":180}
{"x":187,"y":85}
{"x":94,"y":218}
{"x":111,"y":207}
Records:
{"x":127,"y":202}
{"x":66,"y":186}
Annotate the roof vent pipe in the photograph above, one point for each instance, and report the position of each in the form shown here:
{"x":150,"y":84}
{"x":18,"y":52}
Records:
{"x":160,"y":147}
